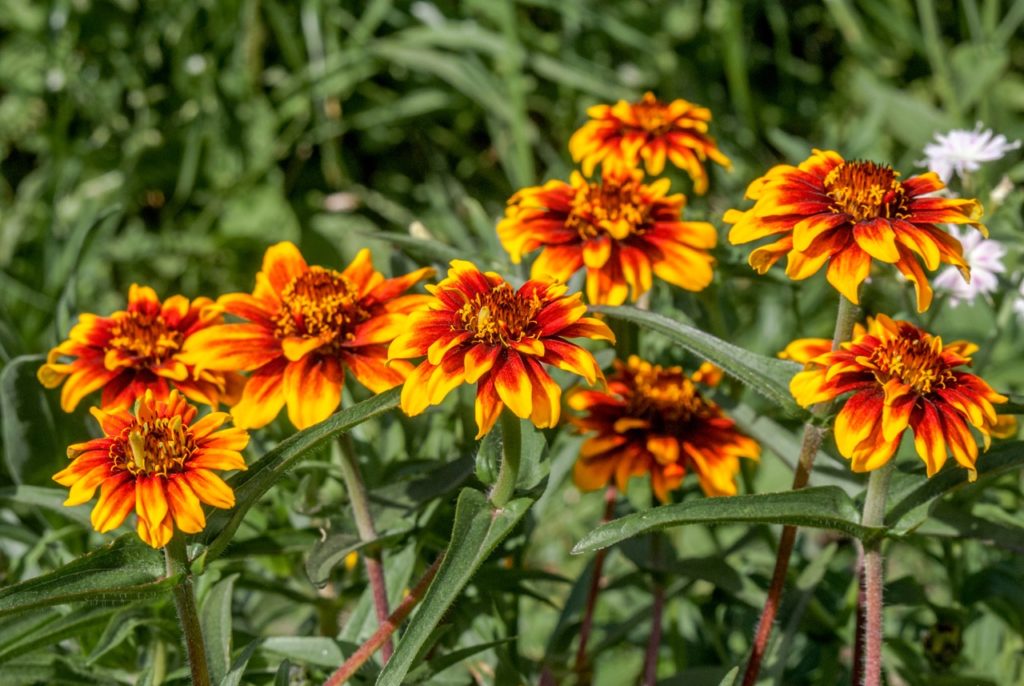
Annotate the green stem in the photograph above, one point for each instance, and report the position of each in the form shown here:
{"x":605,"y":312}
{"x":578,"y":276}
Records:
{"x":367,"y":532}
{"x":846,"y":316}
{"x":511,"y":450}
{"x":185,"y":600}
{"x":874,"y":576}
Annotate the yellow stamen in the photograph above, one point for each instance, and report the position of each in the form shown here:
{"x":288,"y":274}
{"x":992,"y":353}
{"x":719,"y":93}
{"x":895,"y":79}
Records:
{"x":865,"y":190}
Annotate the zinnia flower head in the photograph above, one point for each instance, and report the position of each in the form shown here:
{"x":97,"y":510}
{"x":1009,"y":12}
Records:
{"x":985,"y":258}
{"x":135,"y":350}
{"x":618,"y":136}
{"x":654,"y":420}
{"x":828,"y":210}
{"x":619,"y":228}
{"x":156,"y":461}
{"x":901,"y":377}
{"x":305,"y":326}
{"x":962,"y":151}
{"x":479,"y":329}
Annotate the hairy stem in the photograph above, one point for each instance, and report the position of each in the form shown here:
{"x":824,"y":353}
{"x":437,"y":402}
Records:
{"x":846,"y":317}
{"x":388,"y":627}
{"x":367,"y":532}
{"x":511,"y":449}
{"x":874,"y":516}
{"x":610,"y":496}
{"x":176,"y":559}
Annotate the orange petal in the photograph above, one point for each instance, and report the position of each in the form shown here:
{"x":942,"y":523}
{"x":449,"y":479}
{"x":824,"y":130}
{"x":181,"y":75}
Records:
{"x":185,"y":505}
{"x":282,"y":263}
{"x":312,"y":389}
{"x":857,"y":418}
{"x":513,"y":385}
{"x":117,"y":499}
{"x":262,"y":398}
{"x":210,"y":488}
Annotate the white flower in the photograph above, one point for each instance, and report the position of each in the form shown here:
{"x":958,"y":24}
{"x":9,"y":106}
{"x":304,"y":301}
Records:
{"x":963,"y":151}
{"x":984,"y":257}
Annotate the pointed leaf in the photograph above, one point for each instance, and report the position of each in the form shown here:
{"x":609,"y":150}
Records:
{"x":216,"y":622}
{"x":125,"y":570}
{"x":766,"y":375}
{"x":477,"y":531}
{"x":825,"y":507}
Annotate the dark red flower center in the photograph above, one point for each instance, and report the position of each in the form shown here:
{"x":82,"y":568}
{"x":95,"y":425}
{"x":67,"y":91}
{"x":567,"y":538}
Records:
{"x":665,"y":397}
{"x":650,"y":115}
{"x":500,"y":316}
{"x":160,"y":446}
{"x":915,"y":361}
{"x":865,"y":190}
{"x":616,"y":208}
{"x":320,"y":302}
{"x":145,"y":337}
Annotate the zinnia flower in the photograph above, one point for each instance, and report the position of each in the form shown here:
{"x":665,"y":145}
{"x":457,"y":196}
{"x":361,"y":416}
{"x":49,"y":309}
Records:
{"x":961,"y":151}
{"x":479,"y":329}
{"x":305,"y":326}
{"x":985,"y":258}
{"x":135,"y":350}
{"x":846,"y":213}
{"x":654,"y":420}
{"x":618,"y":136}
{"x":901,"y":377}
{"x":157,"y":462}
{"x":619,"y":228}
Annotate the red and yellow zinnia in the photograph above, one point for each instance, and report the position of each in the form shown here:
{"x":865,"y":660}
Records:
{"x":619,"y":136}
{"x":828,"y":210}
{"x":157,"y":461}
{"x":901,"y":377}
{"x":305,"y":326}
{"x":619,"y":228}
{"x":135,"y":350}
{"x":654,"y":420}
{"x":479,"y":329}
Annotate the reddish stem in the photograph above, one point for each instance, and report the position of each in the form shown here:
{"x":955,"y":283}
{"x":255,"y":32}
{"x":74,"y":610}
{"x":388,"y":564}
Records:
{"x":375,"y":571}
{"x":873,"y":580}
{"x":857,"y":667}
{"x":387,"y":627}
{"x":812,"y":441}
{"x":610,"y":495}
{"x":654,"y":642}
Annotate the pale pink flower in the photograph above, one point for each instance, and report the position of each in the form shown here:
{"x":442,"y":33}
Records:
{"x":985,"y":258}
{"x":961,"y":151}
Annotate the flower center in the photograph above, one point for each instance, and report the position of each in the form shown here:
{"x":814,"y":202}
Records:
{"x":650,"y":115}
{"x":320,"y":303}
{"x":146,"y":337}
{"x":159,"y":446}
{"x":610,"y":207}
{"x":914,"y":361}
{"x":865,"y":190}
{"x":500,"y":316}
{"x":664,"y":396}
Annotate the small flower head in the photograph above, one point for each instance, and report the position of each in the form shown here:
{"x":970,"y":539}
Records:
{"x":962,"y":151}
{"x":901,"y":377}
{"x":654,"y":420}
{"x":621,"y":229}
{"x":479,"y":329}
{"x":619,"y":136}
{"x":157,"y":461}
{"x":135,"y":350}
{"x":307,"y":325}
{"x":985,"y":258}
{"x":844,"y":214}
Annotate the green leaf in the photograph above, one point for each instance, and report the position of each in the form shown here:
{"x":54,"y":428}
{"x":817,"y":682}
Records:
{"x":125,"y":570}
{"x":332,"y":551}
{"x":477,"y":531}
{"x":311,"y":650}
{"x":250,"y":485}
{"x":912,"y":496}
{"x":118,"y":629}
{"x":766,"y":375}
{"x":216,"y":622}
{"x":35,"y":445}
{"x":61,"y":627}
{"x":730,"y":678}
{"x":46,"y":498}
{"x":824,"y":507}
{"x":532,"y":445}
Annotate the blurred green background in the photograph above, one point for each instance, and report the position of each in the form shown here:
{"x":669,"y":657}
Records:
{"x":169,"y":143}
